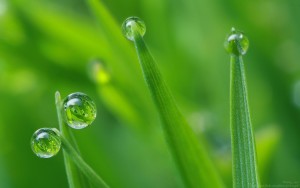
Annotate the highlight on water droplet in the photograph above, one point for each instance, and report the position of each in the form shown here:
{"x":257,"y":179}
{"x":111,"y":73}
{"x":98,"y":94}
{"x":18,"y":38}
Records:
{"x":80,"y":110}
{"x":46,"y":142}
{"x":236,"y":43}
{"x":98,"y":71}
{"x":133,"y":25}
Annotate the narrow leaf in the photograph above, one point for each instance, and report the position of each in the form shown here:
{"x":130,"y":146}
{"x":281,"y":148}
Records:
{"x":89,"y":173}
{"x":245,"y":173}
{"x":190,"y":155}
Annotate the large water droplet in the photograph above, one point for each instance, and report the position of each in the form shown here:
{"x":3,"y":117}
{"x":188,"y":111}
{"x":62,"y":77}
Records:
{"x":45,"y":142}
{"x":80,"y":110}
{"x":132,"y":25}
{"x":236,"y":43}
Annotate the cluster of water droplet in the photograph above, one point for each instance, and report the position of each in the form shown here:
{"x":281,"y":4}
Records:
{"x":79,"y":112}
{"x":236,"y":43}
{"x":133,"y":25}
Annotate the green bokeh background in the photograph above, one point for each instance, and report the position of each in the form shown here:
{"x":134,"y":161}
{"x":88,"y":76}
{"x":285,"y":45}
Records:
{"x":46,"y":46}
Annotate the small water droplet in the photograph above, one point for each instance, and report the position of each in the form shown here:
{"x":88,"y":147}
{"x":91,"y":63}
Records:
{"x":236,"y":43}
{"x":132,"y":25}
{"x":45,"y":142}
{"x":80,"y":110}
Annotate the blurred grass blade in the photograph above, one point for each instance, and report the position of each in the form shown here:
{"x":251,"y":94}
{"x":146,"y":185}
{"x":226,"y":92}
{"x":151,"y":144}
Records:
{"x":111,"y":95}
{"x":82,"y":165}
{"x":111,"y":29}
{"x":48,"y":23}
{"x":245,"y":173}
{"x":191,"y":157}
{"x":126,"y":54}
{"x":267,"y":139}
{"x":75,"y":178}
{"x":112,"y":33}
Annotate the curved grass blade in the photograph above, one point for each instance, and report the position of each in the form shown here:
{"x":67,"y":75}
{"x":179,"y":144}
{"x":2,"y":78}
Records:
{"x":191,"y":157}
{"x":81,"y":164}
{"x":75,"y":178}
{"x":245,"y":173}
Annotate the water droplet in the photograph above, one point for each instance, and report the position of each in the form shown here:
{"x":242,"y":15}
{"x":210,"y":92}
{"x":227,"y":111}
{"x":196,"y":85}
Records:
{"x":45,"y":142}
{"x":236,"y":43}
{"x":80,"y":110}
{"x":132,"y":25}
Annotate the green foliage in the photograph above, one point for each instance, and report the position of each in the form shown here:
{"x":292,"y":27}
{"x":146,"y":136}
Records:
{"x":46,"y":46}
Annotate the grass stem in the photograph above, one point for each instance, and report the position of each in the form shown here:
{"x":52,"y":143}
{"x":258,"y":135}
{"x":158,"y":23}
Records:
{"x":92,"y":176}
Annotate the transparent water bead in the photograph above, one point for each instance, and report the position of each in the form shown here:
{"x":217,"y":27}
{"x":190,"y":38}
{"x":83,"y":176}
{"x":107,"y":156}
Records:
{"x":80,"y":110}
{"x":45,"y":142}
{"x":132,"y":25}
{"x":236,"y":43}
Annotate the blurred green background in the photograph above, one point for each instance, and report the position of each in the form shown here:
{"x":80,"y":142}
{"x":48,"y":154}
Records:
{"x":47,"y":45}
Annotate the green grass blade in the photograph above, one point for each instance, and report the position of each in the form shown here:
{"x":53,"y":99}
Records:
{"x":245,"y":173}
{"x":75,"y":178}
{"x":92,"y":176}
{"x":243,"y":145}
{"x":191,"y":157}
